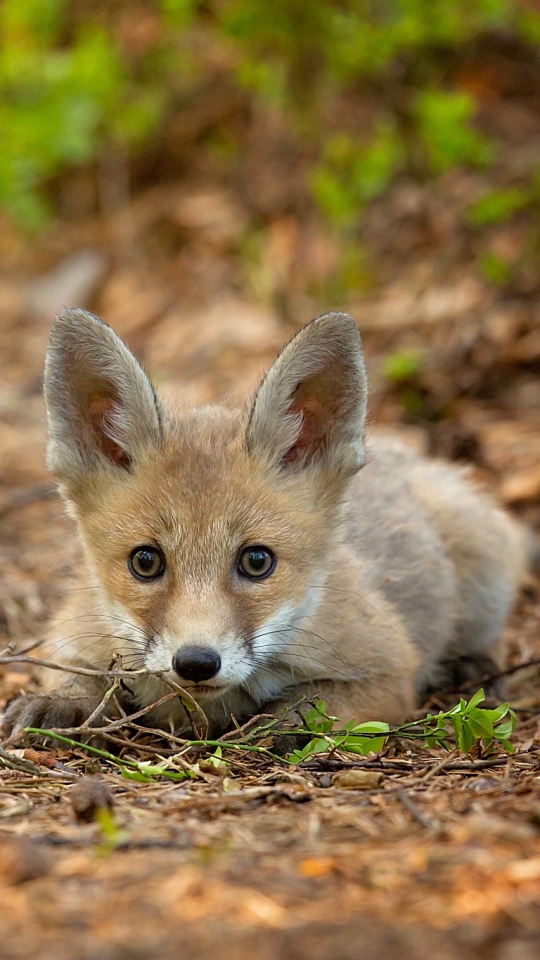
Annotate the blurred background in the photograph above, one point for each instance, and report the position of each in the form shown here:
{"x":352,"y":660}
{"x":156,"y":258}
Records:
{"x":208,"y":176}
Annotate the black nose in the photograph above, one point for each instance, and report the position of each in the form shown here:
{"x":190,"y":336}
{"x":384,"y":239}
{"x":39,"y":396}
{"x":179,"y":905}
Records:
{"x":196,"y":663}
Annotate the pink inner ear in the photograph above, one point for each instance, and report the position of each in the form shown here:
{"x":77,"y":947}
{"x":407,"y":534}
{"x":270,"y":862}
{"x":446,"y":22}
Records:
{"x":312,"y":431}
{"x":100,"y":410}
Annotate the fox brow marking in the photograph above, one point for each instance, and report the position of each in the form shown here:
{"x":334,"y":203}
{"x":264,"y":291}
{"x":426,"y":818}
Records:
{"x":153,"y":508}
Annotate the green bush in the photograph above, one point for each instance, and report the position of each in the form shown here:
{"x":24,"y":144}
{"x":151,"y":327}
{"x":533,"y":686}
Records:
{"x":61,"y":104}
{"x":70,"y":87}
{"x":444,"y":125}
{"x":350,"y":174}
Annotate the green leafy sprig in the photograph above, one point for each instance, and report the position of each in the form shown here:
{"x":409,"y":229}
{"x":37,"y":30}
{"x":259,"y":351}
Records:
{"x":466,"y":725}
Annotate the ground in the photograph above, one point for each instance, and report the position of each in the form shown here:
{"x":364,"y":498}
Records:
{"x":441,"y":855}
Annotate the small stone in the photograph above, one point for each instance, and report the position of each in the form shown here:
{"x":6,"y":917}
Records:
{"x":358,"y":780}
{"x":88,"y":796}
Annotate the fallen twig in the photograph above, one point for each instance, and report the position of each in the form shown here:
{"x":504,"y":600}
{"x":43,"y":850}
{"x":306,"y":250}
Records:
{"x":413,"y":809}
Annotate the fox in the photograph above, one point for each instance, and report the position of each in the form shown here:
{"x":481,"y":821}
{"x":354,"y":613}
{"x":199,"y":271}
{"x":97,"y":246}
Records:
{"x":264,"y":556}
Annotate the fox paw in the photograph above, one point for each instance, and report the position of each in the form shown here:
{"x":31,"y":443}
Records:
{"x":43,"y":712}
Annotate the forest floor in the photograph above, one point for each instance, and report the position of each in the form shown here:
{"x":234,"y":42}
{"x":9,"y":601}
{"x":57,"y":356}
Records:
{"x":442,"y":857}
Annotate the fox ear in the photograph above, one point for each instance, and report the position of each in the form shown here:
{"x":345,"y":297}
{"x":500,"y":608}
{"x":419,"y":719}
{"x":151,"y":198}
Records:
{"x":311,"y":405}
{"x":101,"y":405}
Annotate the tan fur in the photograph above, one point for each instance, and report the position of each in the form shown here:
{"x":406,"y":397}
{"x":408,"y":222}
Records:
{"x":382,"y":575}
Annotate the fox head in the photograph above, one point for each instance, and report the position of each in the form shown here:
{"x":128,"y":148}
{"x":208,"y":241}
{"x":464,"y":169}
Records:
{"x":206,"y":530}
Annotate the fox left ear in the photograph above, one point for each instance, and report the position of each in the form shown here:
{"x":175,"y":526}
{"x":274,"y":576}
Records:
{"x":101,"y":407}
{"x":311,"y":405}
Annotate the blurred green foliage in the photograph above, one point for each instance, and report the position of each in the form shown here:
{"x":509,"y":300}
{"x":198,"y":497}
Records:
{"x":71,"y":88}
{"x":497,"y":205}
{"x":295,"y":46}
{"x":446,"y":130}
{"x":61,"y":103}
{"x":495,"y":269}
{"x":350,"y":174}
{"x":403,"y":365}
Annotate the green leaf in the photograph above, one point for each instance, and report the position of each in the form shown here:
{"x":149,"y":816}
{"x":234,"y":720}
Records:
{"x":504,"y":730}
{"x":372,"y":726}
{"x":465,"y":738}
{"x":135,"y":775}
{"x":478,"y":697}
{"x":318,"y":745}
{"x":363,"y":746}
{"x":499,"y":712}
{"x":480,"y":727}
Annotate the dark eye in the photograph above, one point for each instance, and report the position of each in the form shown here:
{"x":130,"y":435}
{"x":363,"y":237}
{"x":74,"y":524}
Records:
{"x":146,"y":563}
{"x":256,"y":563}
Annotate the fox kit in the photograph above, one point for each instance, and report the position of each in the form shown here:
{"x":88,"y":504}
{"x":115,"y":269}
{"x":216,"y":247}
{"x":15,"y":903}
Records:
{"x":260,"y":555}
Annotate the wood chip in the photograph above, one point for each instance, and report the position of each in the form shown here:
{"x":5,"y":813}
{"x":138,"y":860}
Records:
{"x":358,"y":780}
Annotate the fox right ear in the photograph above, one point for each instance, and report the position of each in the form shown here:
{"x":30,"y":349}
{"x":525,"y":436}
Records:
{"x":309,"y":410}
{"x":101,"y":406}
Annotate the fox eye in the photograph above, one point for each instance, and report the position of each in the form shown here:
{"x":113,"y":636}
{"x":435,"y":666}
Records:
{"x":256,"y":563}
{"x":146,"y":562}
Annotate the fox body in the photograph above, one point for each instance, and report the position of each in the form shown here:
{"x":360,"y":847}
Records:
{"x":255,"y":556}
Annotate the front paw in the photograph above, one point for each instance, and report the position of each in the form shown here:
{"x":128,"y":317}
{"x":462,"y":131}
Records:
{"x":45,"y":712}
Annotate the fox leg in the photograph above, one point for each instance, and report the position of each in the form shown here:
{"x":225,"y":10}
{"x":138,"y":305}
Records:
{"x":69,"y":705}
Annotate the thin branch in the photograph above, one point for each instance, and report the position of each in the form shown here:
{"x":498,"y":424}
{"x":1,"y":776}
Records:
{"x":413,"y":809}
{"x":83,"y":671}
{"x":85,"y":729}
{"x":482,"y":681}
{"x":103,"y":703}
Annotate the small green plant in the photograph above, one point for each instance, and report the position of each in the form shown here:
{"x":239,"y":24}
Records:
{"x":112,"y":836}
{"x":466,"y":724}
